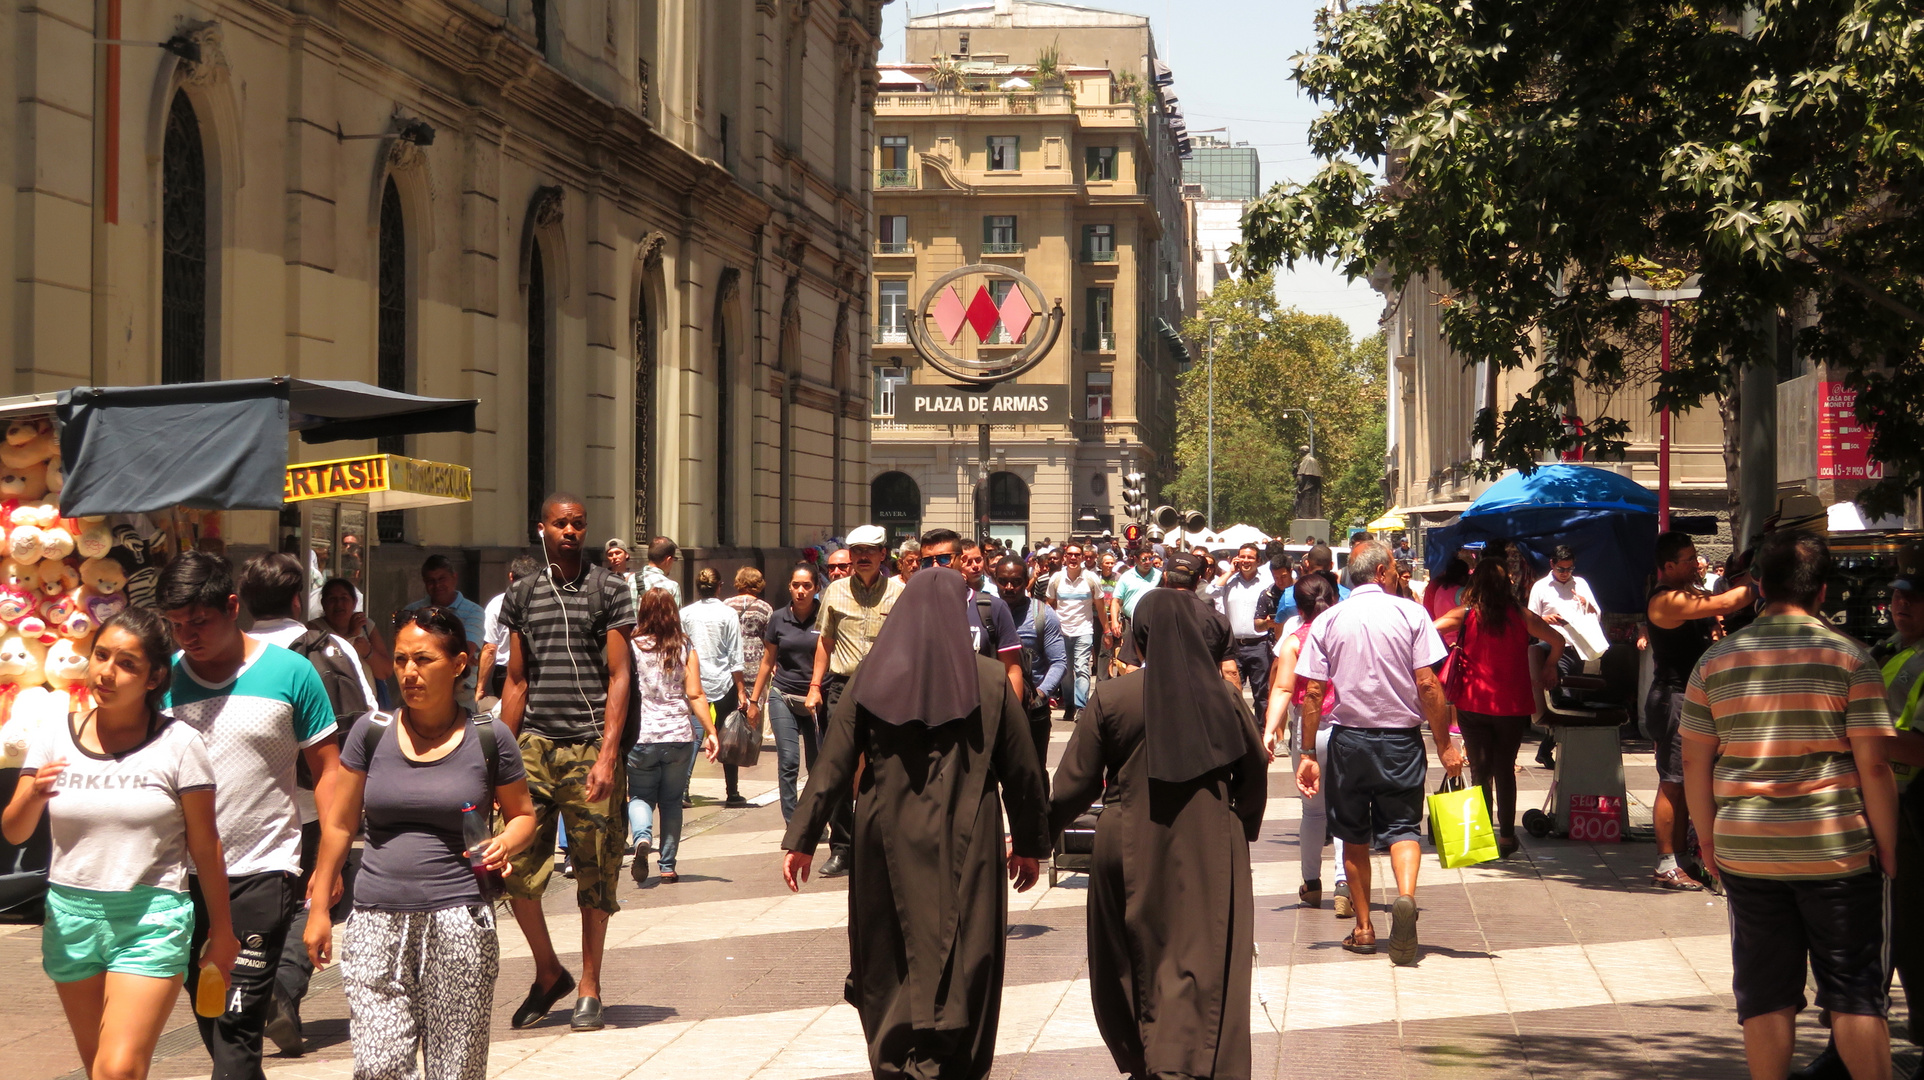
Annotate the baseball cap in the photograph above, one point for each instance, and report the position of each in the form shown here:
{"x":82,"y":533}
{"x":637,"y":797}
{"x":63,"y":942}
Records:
{"x":1911,"y":582}
{"x":616,"y":543}
{"x":867,"y":536}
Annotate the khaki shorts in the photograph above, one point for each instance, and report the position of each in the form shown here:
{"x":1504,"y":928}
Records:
{"x":597,"y":831}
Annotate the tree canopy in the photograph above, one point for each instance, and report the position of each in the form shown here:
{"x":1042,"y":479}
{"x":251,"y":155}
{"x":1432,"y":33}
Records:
{"x":1270,"y":359}
{"x":1531,"y":152}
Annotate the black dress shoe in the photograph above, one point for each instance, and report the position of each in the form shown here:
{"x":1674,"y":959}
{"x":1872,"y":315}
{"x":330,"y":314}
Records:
{"x":1825,"y":1066}
{"x":535,"y":1006}
{"x":734,"y":802}
{"x":836,"y":866}
{"x":587,"y":1015}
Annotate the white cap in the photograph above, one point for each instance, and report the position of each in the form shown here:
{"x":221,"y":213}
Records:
{"x":868,"y":536}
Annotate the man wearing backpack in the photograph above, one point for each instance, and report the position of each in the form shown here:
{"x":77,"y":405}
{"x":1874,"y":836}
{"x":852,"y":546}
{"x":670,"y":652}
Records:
{"x":272,"y":590}
{"x":1045,"y":654}
{"x":566,"y":699}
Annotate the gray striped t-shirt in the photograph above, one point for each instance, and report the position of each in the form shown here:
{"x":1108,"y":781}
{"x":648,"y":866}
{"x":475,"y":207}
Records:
{"x":564,"y":646}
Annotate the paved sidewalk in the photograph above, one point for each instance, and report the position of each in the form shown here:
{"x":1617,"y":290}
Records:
{"x":1560,"y":962}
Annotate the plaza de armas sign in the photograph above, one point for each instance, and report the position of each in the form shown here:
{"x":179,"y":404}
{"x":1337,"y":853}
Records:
{"x":984,"y":392}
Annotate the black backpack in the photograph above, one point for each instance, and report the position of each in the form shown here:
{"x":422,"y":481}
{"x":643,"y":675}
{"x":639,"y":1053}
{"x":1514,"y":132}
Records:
{"x":483,"y":727}
{"x":521,"y":594}
{"x":340,"y":674}
{"x":1029,"y":655}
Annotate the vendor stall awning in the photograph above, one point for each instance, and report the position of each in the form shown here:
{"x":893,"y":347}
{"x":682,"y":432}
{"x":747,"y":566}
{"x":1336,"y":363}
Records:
{"x":388,"y":481}
{"x":220,"y":445}
{"x":1390,"y":521}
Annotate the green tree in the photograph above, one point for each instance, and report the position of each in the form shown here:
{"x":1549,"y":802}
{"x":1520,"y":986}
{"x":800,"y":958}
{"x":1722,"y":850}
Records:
{"x":1270,"y":359}
{"x":1532,"y":151}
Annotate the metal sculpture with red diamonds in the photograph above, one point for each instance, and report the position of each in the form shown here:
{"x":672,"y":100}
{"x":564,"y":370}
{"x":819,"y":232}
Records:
{"x":943,"y":315}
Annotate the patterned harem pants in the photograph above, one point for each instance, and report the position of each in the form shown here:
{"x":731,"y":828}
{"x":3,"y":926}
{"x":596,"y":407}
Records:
{"x":420,"y":985}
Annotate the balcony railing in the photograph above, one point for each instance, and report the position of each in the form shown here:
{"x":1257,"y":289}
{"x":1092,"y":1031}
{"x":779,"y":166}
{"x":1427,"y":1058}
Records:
{"x":894,"y":178}
{"x":1099,"y":255}
{"x":1000,"y":103}
{"x":996,"y":247}
{"x":892,"y":335}
{"x":893,"y":247}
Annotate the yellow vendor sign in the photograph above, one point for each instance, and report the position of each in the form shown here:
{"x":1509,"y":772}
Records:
{"x":386,"y":481}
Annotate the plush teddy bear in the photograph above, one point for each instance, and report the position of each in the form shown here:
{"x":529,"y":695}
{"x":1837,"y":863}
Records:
{"x":16,"y":604}
{"x":23,"y":695}
{"x":35,"y":443}
{"x":67,"y":615}
{"x":56,"y":474}
{"x":101,"y":582}
{"x":25,"y":483}
{"x":25,"y":542}
{"x":58,"y":577}
{"x":56,"y":539}
{"x":93,"y":539}
{"x":65,"y":668}
{"x":25,"y":577}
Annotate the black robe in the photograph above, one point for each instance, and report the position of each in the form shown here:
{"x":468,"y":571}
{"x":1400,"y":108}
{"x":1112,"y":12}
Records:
{"x":1171,"y":908}
{"x":928,"y":884}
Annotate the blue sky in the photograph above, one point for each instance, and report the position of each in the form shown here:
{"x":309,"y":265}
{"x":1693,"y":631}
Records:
{"x":1231,"y":61}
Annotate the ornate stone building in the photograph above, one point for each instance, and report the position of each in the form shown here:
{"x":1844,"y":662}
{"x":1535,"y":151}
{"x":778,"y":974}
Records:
{"x":636,"y":230}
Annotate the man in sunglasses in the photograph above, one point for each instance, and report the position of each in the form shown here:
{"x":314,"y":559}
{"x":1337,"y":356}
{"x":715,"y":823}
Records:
{"x":1565,"y":601}
{"x":853,"y":609}
{"x":841,"y":561}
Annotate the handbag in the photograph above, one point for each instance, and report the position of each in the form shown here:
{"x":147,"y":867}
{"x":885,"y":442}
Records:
{"x":1460,"y":825}
{"x":740,"y":742}
{"x":1456,"y":666}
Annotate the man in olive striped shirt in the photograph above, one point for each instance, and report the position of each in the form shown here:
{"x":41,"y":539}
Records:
{"x":1785,"y":755}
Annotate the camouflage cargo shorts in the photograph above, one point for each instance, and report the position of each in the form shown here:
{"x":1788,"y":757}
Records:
{"x":597,"y":831}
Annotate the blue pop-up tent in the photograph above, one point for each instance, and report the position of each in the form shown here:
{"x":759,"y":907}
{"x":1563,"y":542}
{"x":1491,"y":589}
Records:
{"x":1609,"y":521}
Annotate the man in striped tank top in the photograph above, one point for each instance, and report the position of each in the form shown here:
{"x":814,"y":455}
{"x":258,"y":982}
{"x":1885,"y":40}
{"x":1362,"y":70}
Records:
{"x":1786,"y":739}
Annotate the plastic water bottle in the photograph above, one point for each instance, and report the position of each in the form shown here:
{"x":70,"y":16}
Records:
{"x":210,"y":996}
{"x":475,"y":834}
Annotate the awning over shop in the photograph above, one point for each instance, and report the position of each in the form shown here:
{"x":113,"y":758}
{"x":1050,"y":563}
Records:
{"x":1391,"y":521}
{"x":387,"y":481}
{"x":220,"y":445}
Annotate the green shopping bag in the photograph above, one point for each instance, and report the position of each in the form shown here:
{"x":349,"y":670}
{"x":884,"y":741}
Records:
{"x":1460,"y":825}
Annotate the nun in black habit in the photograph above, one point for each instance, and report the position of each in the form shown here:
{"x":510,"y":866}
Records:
{"x":939,"y":736}
{"x":1171,"y":911}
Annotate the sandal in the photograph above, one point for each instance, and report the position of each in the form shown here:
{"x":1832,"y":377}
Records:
{"x":1676,"y":880}
{"x":1365,"y":948}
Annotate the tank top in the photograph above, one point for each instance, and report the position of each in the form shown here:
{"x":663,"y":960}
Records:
{"x":1301,"y":691}
{"x":1498,"y":678}
{"x":1674,"y":653}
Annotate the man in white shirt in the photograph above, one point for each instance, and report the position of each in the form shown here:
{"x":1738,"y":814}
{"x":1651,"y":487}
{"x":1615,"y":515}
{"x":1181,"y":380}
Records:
{"x":715,"y":632}
{"x":1072,"y":592}
{"x":1565,"y":601}
{"x":494,"y":636}
{"x":1236,"y":596}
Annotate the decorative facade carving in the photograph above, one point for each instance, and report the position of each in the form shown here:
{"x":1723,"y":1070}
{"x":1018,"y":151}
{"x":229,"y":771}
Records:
{"x":545,"y":211}
{"x":212,"y":65}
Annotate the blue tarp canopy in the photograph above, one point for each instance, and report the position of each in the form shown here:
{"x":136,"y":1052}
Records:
{"x":1609,"y":521}
{"x":220,"y":445}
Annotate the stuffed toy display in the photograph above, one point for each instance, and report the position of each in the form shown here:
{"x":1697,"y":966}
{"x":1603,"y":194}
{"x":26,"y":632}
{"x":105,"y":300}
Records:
{"x":49,"y":608}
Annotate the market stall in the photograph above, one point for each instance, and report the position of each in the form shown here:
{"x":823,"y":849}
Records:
{"x":99,"y":486}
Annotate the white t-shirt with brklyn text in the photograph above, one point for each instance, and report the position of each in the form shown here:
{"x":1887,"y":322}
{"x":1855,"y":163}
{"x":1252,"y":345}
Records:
{"x":116,"y":818}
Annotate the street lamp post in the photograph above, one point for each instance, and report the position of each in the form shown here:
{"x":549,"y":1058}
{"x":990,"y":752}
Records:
{"x":1639,"y":289}
{"x":1209,"y":360}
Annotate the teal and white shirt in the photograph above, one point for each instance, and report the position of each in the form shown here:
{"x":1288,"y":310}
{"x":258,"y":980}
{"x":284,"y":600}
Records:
{"x":255,"y":725}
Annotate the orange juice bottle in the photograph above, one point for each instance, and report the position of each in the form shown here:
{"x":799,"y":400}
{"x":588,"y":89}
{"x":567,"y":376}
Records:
{"x":210,"y":994}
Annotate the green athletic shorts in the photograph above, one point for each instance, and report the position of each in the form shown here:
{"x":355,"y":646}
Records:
{"x":140,"y":932}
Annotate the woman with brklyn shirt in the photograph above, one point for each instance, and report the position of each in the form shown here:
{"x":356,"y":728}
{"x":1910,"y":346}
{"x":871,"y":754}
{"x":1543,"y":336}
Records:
{"x":130,"y":795}
{"x":419,"y":953}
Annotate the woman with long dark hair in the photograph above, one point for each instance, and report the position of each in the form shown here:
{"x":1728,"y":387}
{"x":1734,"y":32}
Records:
{"x":130,"y":795}
{"x":1183,"y":777}
{"x":1444,"y":593}
{"x":667,"y":696}
{"x":1314,"y":595}
{"x":419,"y":954}
{"x":940,"y":734}
{"x":1498,"y":696}
{"x":788,"y":663}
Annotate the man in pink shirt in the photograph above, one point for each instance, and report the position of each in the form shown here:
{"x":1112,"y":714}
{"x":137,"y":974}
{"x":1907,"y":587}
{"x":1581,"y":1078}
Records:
{"x":1377,"y":650}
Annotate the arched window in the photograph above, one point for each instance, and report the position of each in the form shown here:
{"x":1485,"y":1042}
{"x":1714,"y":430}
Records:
{"x":895,"y":501}
{"x":391,"y":341}
{"x":1008,"y":498}
{"x":183,"y":260}
{"x":724,"y":433}
{"x":540,"y":468}
{"x":644,"y":418}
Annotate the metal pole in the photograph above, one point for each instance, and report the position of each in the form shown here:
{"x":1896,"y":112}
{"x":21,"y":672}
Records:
{"x":1663,"y":437}
{"x":1210,"y":360}
{"x":982,"y":482}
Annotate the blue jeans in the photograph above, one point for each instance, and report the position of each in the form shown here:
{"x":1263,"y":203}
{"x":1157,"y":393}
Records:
{"x":658,"y":774}
{"x":1081,"y":652}
{"x":795,"y":737}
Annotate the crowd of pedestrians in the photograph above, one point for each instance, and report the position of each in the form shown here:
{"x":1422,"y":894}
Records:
{"x":301,"y":778}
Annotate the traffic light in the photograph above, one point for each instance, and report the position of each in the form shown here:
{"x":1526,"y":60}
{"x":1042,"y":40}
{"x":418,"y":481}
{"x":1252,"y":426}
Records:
{"x":1165,"y":519}
{"x":1132,"y":535}
{"x":1132,"y":494}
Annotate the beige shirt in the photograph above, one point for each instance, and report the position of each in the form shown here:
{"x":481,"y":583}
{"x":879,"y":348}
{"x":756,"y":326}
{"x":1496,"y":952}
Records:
{"x":852,"y":616}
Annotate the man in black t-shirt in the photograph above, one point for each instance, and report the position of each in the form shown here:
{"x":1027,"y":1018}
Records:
{"x":566,"y":698}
